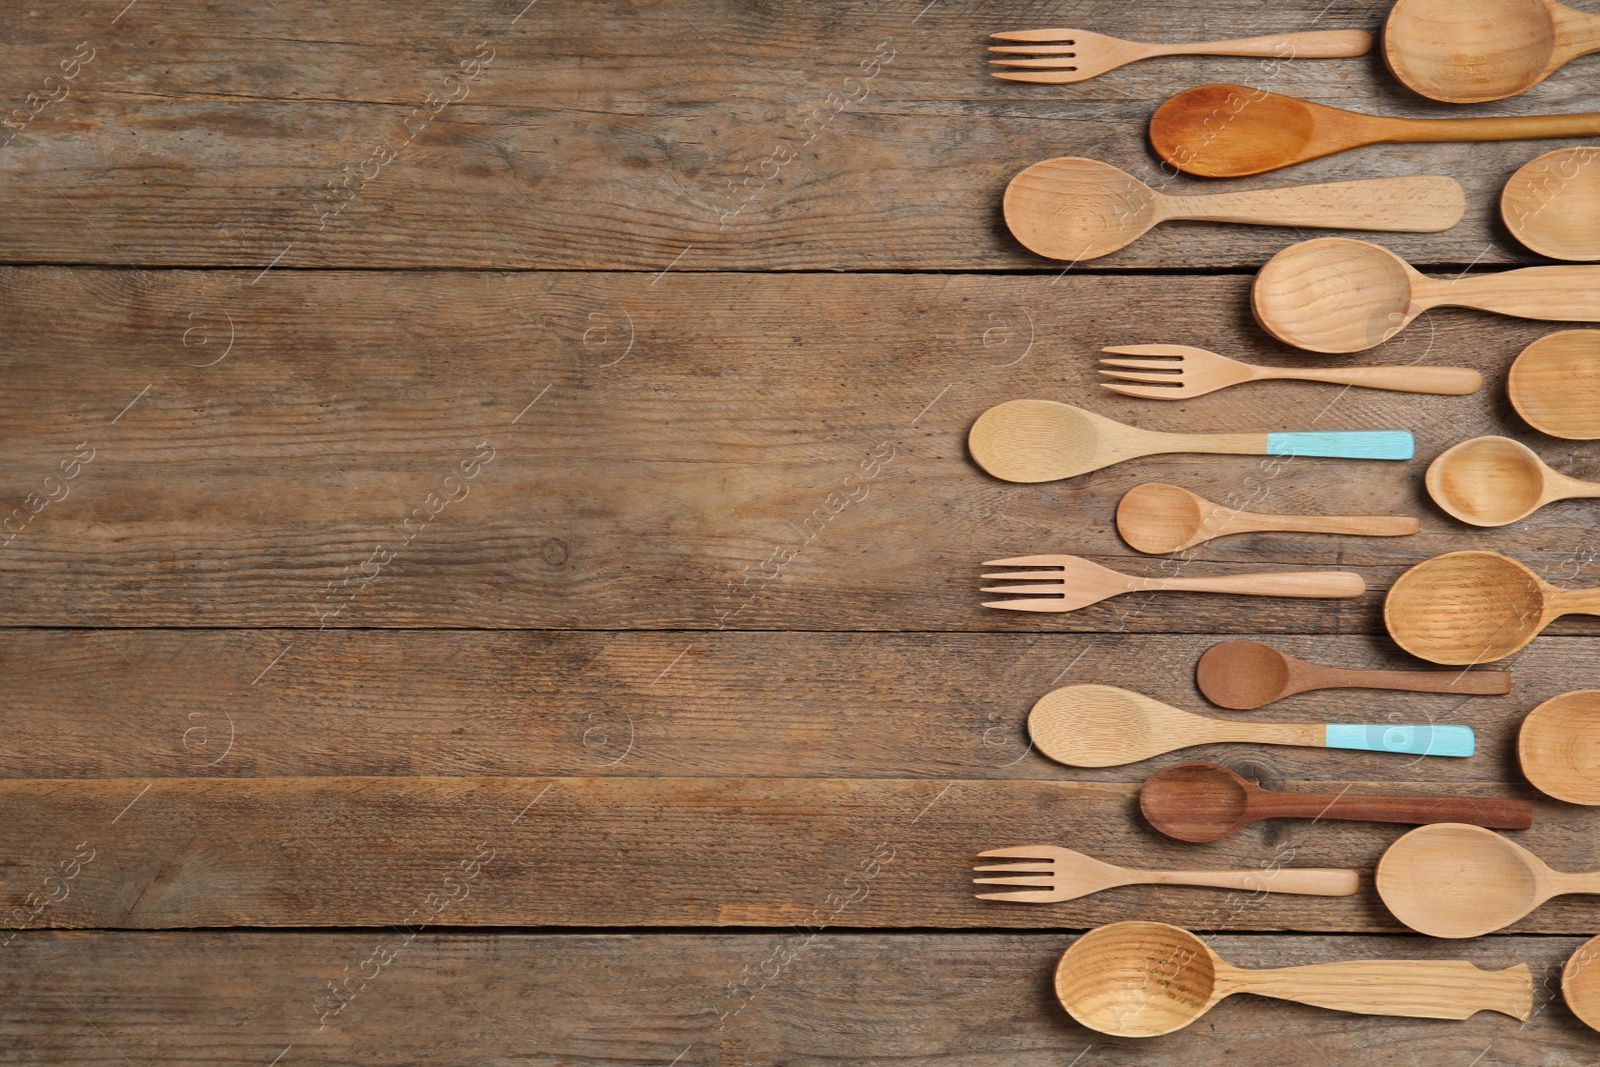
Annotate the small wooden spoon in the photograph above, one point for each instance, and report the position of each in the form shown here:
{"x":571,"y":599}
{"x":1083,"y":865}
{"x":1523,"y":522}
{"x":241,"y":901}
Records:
{"x":1244,"y":675}
{"x":1559,"y":747}
{"x":1580,"y":983}
{"x":1466,"y":53}
{"x":1158,"y":518}
{"x":1229,"y":131}
{"x":1454,"y":880}
{"x":1492,"y":481}
{"x":1077,"y":209}
{"x":1103,"y":726}
{"x":1202,"y":802}
{"x":1144,"y":979}
{"x":1475,"y":607}
{"x":1552,"y":204}
{"x":1336,"y":294}
{"x":1555,"y":384}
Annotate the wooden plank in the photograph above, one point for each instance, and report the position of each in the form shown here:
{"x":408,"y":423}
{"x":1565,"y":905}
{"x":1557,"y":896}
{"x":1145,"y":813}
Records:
{"x":710,"y":135}
{"x":730,"y":1000}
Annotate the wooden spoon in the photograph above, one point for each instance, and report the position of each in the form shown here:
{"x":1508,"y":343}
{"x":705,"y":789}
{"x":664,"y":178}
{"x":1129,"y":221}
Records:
{"x":1475,"y":607}
{"x":1229,"y":131}
{"x":1158,"y":518}
{"x":1492,"y":481}
{"x":1103,"y":726}
{"x":1041,"y":440}
{"x":1555,"y":384}
{"x":1559,"y":747}
{"x":1466,"y":53}
{"x":1076,"y":209}
{"x":1552,"y":204}
{"x":1454,"y":880}
{"x":1336,"y":294}
{"x":1202,"y":802}
{"x":1580,"y":983}
{"x":1244,"y":675}
{"x":1144,"y":979}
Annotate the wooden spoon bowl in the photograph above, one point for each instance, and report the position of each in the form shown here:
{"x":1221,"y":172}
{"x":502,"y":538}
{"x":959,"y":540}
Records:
{"x":1454,"y":880}
{"x":1335,"y":294}
{"x":1466,"y":53}
{"x":1580,"y":983}
{"x":1559,"y":747}
{"x":1492,"y":481}
{"x":1137,"y":979}
{"x":1555,"y":384}
{"x":1552,"y":204}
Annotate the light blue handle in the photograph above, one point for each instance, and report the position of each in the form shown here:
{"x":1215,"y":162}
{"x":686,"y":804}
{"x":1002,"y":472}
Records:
{"x":1387,"y":737}
{"x":1350,"y":444}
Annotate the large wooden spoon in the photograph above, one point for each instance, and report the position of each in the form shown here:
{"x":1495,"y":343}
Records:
{"x":1206,"y":802}
{"x":1555,"y":384}
{"x":1229,"y":131}
{"x":1336,"y":294}
{"x":1552,"y":203}
{"x":1466,"y":53}
{"x":1103,"y":726}
{"x":1492,"y":481}
{"x":1076,"y":209}
{"x":1454,"y":880}
{"x":1559,"y":747}
{"x":1158,"y":518}
{"x":1144,"y":979}
{"x":1244,"y":675}
{"x":1475,"y":607}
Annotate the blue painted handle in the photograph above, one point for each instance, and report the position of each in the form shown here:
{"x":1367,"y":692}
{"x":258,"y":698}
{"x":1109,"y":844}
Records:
{"x":1387,"y":737}
{"x":1350,"y":444}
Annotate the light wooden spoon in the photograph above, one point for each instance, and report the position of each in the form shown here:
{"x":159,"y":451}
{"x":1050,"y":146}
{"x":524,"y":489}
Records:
{"x":1559,"y":747}
{"x":1454,"y":880}
{"x":1552,"y":204}
{"x":1336,"y":294}
{"x":1244,"y":675}
{"x":1492,"y":481}
{"x":1475,"y":607}
{"x":1144,"y":979}
{"x":1555,"y":384}
{"x":1076,"y":209}
{"x":1229,"y":131}
{"x":1580,"y":983}
{"x":1158,"y":518}
{"x":1103,"y":726}
{"x":1466,"y":53}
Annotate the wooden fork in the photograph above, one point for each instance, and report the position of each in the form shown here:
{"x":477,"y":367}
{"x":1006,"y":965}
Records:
{"x":1077,"y":55}
{"x":1079,"y":583}
{"x":1179,"y":372}
{"x":1067,"y":875}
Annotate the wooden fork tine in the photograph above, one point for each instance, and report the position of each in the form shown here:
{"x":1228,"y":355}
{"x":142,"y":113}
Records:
{"x":1027,"y":605}
{"x":1144,"y":392}
{"x":1038,"y":882}
{"x":1039,"y":64}
{"x":1054,"y":587}
{"x":1024,"y":896}
{"x":1045,"y":576}
{"x":1020,"y":868}
{"x":1027,"y":561}
{"x":1024,"y":852}
{"x":1170,"y":351}
{"x":1146,"y":364}
{"x":1131,"y":376}
{"x":1036,"y":49}
{"x":1040,"y":77}
{"x":1064,"y":36}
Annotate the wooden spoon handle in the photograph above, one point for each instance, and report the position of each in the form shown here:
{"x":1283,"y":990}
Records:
{"x":1290,"y":583}
{"x":1421,"y":203}
{"x":1307,"y":881}
{"x":1364,"y":525}
{"x":1498,"y":814}
{"x":1470,"y":683}
{"x":1566,"y":293}
{"x":1506,"y":128}
{"x":1447,"y":381}
{"x":1311,"y":44}
{"x":1421,"y":989}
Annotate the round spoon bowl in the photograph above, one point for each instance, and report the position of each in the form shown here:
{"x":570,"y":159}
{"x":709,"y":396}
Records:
{"x":1195,"y":802}
{"x":1466,"y":53}
{"x":1552,"y":204}
{"x":1580,"y":983}
{"x":1454,"y":880}
{"x":1559,"y":748}
{"x":1487,"y":481}
{"x":1073,"y":209}
{"x":1156,"y":518}
{"x":1137,"y":979}
{"x":1214,"y":132}
{"x":1555,"y":384}
{"x":1333,"y":294}
{"x":1464,"y":607}
{"x":1242,"y":675}
{"x":1032,"y":441}
{"x":1092,"y":726}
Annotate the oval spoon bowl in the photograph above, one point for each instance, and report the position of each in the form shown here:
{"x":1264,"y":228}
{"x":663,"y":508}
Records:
{"x":1558,"y":747}
{"x":1467,"y":53}
{"x":1552,"y":204}
{"x":1554,"y":384}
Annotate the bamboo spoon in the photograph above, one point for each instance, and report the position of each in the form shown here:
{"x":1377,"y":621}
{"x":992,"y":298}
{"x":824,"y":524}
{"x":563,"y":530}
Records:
{"x":1454,"y":880}
{"x":1475,"y":607}
{"x":1079,"y":582}
{"x":1202,"y":802}
{"x":1158,"y":518}
{"x":1244,"y":675}
{"x":1076,"y":209}
{"x":1466,"y":53}
{"x":1555,"y":384}
{"x":1559,"y":747}
{"x":1335,"y":294}
{"x":1492,"y":481}
{"x":1568,"y":180}
{"x":1059,"y":874}
{"x":1178,"y":372}
{"x":1103,"y":726}
{"x":1229,"y":131}
{"x":1041,"y":441}
{"x":1144,"y":979}
{"x":1580,"y":983}
{"x":1078,"y":55}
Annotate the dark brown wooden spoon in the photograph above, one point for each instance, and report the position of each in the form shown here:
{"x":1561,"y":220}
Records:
{"x":1248,"y":674}
{"x":1207,"y":802}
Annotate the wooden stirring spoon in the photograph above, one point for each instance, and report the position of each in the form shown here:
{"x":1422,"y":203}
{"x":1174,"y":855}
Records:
{"x":1554,"y":384}
{"x":1466,"y":53}
{"x":1055,"y":874}
{"x":1559,"y":747}
{"x":1552,"y":204}
{"x":1244,"y":675}
{"x":1492,"y":481}
{"x":1144,"y":979}
{"x":1229,"y":131}
{"x":1158,"y":518}
{"x":1202,"y":802}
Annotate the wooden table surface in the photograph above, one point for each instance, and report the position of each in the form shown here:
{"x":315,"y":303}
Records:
{"x":492,"y":568}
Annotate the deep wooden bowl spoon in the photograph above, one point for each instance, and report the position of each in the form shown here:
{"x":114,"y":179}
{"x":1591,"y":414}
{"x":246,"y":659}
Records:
{"x":1492,"y":481}
{"x":1559,"y":747}
{"x":1244,"y":675}
{"x":1580,"y":983}
{"x":1555,"y":384}
{"x":1466,"y":53}
{"x":1158,"y":518}
{"x":1552,"y":204}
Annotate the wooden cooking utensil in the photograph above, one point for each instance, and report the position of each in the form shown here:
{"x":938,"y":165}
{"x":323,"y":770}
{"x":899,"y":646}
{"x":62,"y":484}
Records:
{"x":1552,"y":204}
{"x":1076,"y":209}
{"x":1041,"y":441}
{"x":1178,"y":372}
{"x":1244,"y":675}
{"x":1559,"y":747}
{"x":1466,"y":53}
{"x":1492,"y":481}
{"x":1580,"y":983}
{"x":1061,"y":874}
{"x":1069,"y":56}
{"x":1229,"y":131}
{"x":1336,"y":294}
{"x":1206,"y":802}
{"x":1103,"y":726}
{"x":1144,"y":979}
{"x":1454,"y":880}
{"x":1079,"y":582}
{"x":1475,"y":607}
{"x":1158,"y":518}
{"x":1555,"y":384}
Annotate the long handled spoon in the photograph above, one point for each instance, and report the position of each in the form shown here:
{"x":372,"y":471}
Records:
{"x":1077,"y":209}
{"x":1454,"y":880}
{"x":1079,"y":582}
{"x":1559,"y":747}
{"x":1229,"y":131}
{"x":1068,"y":56}
{"x":1041,"y":441}
{"x":1555,"y":384}
{"x":1475,"y":607}
{"x":1158,"y":518}
{"x":1580,"y":983}
{"x":1336,"y":294}
{"x":1244,"y":675}
{"x":1206,"y":802}
{"x":1466,"y":53}
{"x":1056,"y":874}
{"x":1552,"y":203}
{"x":1144,"y":979}
{"x":1492,"y":481}
{"x":1103,"y":726}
